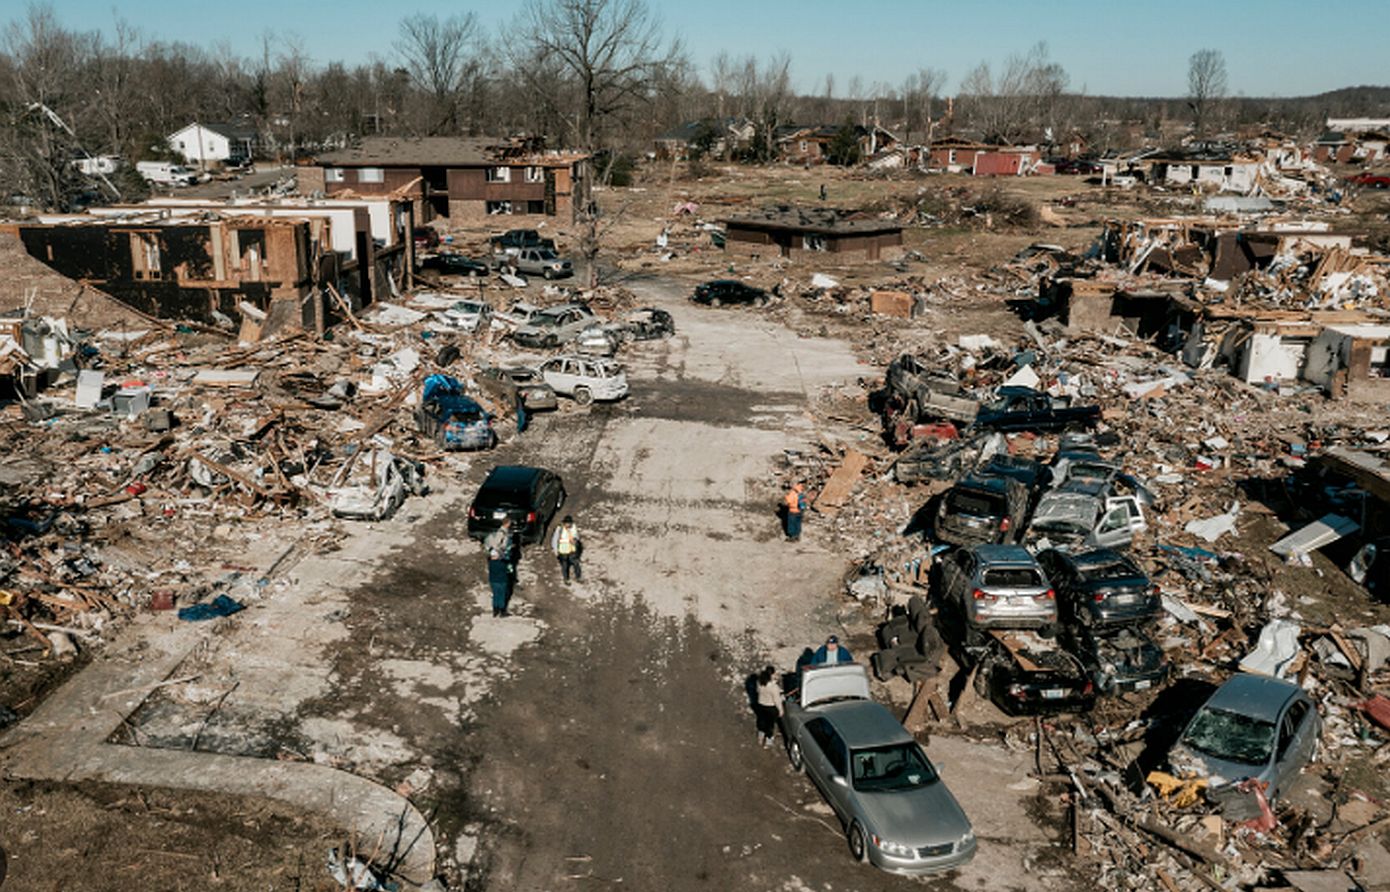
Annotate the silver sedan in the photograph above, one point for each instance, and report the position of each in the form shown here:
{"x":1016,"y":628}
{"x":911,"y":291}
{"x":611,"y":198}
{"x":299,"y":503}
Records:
{"x":897,"y":813}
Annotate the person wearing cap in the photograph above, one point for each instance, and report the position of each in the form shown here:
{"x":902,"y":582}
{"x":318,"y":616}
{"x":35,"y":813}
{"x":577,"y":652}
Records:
{"x":831,"y":652}
{"x":566,"y":545}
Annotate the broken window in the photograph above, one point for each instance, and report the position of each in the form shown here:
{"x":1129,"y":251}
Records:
{"x":499,"y":174}
{"x":1231,"y":736}
{"x":535,"y":174}
{"x":812,"y":243}
{"x":333,"y":175}
{"x":144,"y":253}
{"x":371,"y":175}
{"x":499,"y":207}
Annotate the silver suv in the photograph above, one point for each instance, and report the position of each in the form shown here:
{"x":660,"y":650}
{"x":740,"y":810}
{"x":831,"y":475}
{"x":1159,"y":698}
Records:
{"x":996,"y":587}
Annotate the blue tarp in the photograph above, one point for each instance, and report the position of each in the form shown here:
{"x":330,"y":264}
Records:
{"x":218,"y":606}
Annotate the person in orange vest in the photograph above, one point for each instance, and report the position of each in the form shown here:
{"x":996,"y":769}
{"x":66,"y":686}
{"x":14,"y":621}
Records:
{"x":796,"y":508}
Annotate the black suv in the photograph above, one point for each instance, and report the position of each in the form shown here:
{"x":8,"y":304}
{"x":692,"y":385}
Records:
{"x":454,"y":265}
{"x":980,"y":510}
{"x":1100,"y":587}
{"x":728,"y":291}
{"x":529,"y":496}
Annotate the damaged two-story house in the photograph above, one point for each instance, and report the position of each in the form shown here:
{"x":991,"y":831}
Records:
{"x":461,"y":178}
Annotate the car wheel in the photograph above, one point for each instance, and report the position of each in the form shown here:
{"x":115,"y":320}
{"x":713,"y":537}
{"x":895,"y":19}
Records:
{"x":551,"y":341}
{"x":547,"y":274}
{"x":795,"y":757}
{"x":858,"y":845}
{"x":583,"y":396}
{"x":760,"y":302}
{"x":715,"y":302}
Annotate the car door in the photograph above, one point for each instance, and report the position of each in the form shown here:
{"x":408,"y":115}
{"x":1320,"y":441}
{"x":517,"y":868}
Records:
{"x":830,"y":758}
{"x":559,"y":374}
{"x":1293,"y":747}
{"x":1114,"y":529}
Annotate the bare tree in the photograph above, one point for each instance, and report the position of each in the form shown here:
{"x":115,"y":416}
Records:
{"x":918,"y":92}
{"x":1206,"y":86}
{"x":1021,"y":102}
{"x":47,"y":65}
{"x":613,"y":50}
{"x":436,"y":53}
{"x":767,"y":91}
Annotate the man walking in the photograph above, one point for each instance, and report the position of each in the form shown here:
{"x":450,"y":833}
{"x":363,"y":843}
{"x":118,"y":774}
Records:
{"x":566,"y":545}
{"x":499,"y":566}
{"x":795,"y":507}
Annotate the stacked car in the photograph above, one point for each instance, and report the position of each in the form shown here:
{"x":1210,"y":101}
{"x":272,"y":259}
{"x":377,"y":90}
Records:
{"x":1032,"y":585}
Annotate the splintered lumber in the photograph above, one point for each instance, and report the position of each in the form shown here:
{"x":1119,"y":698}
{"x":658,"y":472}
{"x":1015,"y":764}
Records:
{"x":837,"y":489}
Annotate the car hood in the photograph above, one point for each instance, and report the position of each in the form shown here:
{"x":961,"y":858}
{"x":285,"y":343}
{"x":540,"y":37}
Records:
{"x":922,"y":817}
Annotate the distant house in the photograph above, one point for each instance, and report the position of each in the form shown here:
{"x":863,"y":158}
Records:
{"x":959,"y":155}
{"x":715,"y":137}
{"x":955,"y":153}
{"x":456,"y":177}
{"x":1230,"y":173}
{"x":812,"y":144}
{"x":789,"y":231}
{"x":214,"y":145}
{"x":1352,"y":146}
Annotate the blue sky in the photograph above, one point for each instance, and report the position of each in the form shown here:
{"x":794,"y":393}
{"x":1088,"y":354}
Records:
{"x":1272,"y":47}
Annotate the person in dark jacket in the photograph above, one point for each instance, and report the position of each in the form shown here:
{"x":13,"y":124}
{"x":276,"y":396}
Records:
{"x":500,"y":574}
{"x":831,"y":652}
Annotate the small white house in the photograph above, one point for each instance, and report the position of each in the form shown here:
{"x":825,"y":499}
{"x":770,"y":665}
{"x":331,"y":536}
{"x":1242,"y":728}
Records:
{"x":213,"y":145}
{"x":1224,"y":175}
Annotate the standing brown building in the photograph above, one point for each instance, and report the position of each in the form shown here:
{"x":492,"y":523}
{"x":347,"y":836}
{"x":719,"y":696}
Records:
{"x":462,"y":178}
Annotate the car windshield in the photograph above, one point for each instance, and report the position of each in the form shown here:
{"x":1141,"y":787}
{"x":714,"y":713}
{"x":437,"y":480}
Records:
{"x":1084,"y":471}
{"x":1231,"y":736}
{"x":1059,"y":526}
{"x":1109,"y":570}
{"x":1012,"y":577}
{"x":468,"y":307}
{"x":973,"y":504}
{"x":889,"y":768}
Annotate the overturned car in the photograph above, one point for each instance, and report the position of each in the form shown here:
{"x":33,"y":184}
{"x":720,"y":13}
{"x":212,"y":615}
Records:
{"x":451,"y":419}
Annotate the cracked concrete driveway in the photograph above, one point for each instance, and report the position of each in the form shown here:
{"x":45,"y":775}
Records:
{"x":600,"y":735}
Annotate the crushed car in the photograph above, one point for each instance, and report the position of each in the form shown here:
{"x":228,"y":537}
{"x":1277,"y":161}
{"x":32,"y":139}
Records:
{"x":1025,"y":409}
{"x":1119,"y":660}
{"x":451,"y":418}
{"x":1100,"y":587}
{"x":585,"y":379}
{"x":555,"y":326}
{"x":465,"y":315}
{"x":995,"y":587}
{"x":1081,"y":514}
{"x":1255,"y":728}
{"x":374,"y":485}
{"x":648,"y":324}
{"x":981,"y":509}
{"x":506,"y":383}
{"x":917,"y":391}
{"x":1027,"y":673}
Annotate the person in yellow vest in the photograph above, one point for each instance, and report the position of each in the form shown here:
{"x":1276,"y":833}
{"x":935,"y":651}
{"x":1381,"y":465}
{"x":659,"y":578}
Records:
{"x":566,"y":545}
{"x":795,"y":508}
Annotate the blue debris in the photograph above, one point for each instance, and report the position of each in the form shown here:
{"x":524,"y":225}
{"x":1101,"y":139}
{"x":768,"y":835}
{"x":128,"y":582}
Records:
{"x":218,"y":606}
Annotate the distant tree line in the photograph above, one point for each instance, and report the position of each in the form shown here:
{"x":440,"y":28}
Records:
{"x":602,"y":74}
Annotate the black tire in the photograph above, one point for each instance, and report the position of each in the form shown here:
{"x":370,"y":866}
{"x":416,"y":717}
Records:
{"x":795,"y":756}
{"x":583,"y":396}
{"x":715,"y":302}
{"x":858,"y":844}
{"x":884,"y":664}
{"x":547,"y":274}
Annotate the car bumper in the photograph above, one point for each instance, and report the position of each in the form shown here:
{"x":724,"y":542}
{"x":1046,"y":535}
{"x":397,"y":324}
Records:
{"x":1136,"y":683}
{"x":921,"y":866}
{"x":472,"y":438}
{"x":1126,"y":613}
{"x":536,"y":403}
